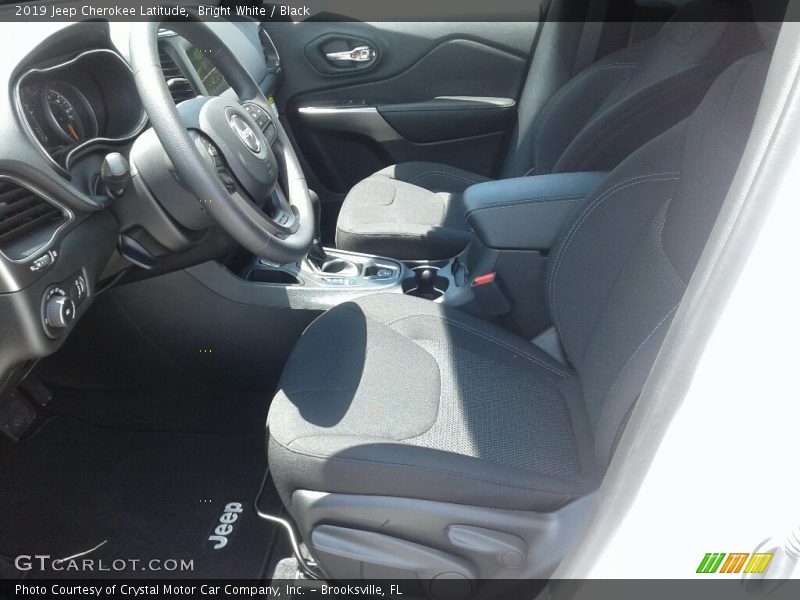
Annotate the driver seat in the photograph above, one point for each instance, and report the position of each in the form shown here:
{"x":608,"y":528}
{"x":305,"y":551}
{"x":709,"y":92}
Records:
{"x":409,"y":439}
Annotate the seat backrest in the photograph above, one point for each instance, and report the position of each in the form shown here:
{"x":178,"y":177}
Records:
{"x":622,"y":264}
{"x":628,"y":98}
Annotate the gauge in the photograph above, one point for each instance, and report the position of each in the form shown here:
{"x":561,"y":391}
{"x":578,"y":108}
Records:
{"x":69,"y":113}
{"x":29,"y":94}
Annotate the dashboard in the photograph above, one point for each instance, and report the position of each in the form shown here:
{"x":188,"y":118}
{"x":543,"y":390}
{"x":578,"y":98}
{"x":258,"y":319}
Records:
{"x":71,"y":101}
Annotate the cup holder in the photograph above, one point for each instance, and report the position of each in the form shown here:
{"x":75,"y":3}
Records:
{"x":426,"y":283}
{"x":272,"y":276}
{"x":338,"y":266}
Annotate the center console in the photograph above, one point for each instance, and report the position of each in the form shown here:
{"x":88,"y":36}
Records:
{"x":499,"y":276}
{"x":338,"y":270}
{"x":343,"y":271}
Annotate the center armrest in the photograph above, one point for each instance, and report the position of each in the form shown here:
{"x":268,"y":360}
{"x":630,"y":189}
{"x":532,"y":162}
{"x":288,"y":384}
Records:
{"x":526,"y":213}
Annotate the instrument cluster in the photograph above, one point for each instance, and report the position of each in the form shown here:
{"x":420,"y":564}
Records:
{"x":86,"y":99}
{"x":59,"y":114}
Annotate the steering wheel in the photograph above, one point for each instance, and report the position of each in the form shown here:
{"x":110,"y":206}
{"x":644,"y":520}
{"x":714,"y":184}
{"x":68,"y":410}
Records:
{"x":233,"y":156}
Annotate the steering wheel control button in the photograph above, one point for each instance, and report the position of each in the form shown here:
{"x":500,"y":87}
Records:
{"x":264,"y":121}
{"x":212,"y":151}
{"x":227,"y":180}
{"x":259,"y":115}
{"x":59,"y":312}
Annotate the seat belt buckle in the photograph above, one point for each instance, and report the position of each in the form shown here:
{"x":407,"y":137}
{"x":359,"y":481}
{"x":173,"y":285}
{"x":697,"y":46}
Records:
{"x":489,"y":293}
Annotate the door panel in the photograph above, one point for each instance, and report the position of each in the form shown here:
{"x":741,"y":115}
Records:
{"x":448,"y":117}
{"x":342,"y":54}
{"x":443,"y":92}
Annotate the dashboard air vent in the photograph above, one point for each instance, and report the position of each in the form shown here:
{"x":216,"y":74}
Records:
{"x":179,"y":86}
{"x":27,"y":221}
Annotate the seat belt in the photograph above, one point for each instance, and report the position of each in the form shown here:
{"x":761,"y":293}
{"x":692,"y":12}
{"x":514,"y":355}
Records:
{"x":591,"y":35}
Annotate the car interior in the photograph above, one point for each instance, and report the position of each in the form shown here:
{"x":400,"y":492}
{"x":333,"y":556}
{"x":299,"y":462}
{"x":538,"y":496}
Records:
{"x":337,"y":300}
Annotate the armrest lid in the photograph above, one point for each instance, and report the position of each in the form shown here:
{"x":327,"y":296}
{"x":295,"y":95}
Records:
{"x":526,"y":213}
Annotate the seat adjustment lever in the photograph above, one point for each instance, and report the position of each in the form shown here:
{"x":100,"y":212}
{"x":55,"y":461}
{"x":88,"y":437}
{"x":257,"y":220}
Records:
{"x":363,"y":549}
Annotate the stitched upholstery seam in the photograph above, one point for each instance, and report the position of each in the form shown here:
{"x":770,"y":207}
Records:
{"x":443,"y":174}
{"x":320,"y":390}
{"x":555,"y":101}
{"x":640,"y":103}
{"x":638,"y":349}
{"x":487,"y":337}
{"x":441,"y":378}
{"x":526,"y":201}
{"x":415,"y":236}
{"x":548,"y":115}
{"x":435,"y":470}
{"x":622,"y":185}
{"x":441,"y":392}
{"x":660,"y":241}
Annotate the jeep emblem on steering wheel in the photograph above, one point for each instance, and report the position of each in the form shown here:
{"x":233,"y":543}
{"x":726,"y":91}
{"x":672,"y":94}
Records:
{"x":245,"y":133}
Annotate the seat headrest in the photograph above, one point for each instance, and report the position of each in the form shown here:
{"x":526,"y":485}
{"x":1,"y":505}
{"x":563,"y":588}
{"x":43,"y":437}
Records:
{"x":769,"y":16}
{"x":661,"y":3}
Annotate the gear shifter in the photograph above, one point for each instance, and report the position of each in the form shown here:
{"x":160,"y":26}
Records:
{"x":317,"y":258}
{"x":317,"y":255}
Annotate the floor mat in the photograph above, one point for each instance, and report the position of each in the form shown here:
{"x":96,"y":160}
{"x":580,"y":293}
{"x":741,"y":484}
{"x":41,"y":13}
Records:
{"x":197,"y":411}
{"x":143,"y":495}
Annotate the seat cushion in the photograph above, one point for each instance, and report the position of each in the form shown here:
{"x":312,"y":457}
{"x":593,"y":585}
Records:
{"x":410,"y":211}
{"x":427,"y":402}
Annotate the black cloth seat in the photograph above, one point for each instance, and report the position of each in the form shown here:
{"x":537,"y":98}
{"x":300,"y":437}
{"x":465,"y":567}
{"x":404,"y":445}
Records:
{"x":413,"y":210}
{"x":407,"y":211}
{"x":427,"y":399}
{"x":397,"y":396}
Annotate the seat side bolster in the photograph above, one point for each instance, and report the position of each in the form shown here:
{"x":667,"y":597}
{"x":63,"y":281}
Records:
{"x":339,"y":464}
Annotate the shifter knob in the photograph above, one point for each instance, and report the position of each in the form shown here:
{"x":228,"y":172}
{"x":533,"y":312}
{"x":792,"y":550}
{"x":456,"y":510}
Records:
{"x":115,"y":173}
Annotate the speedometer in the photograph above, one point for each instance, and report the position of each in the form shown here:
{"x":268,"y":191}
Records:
{"x":69,"y":113}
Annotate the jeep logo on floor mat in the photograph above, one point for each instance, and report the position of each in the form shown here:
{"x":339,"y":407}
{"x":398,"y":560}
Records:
{"x":219,"y":537}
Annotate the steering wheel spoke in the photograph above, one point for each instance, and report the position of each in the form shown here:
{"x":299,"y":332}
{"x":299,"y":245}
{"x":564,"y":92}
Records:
{"x":282,"y":213}
{"x":229,"y":154}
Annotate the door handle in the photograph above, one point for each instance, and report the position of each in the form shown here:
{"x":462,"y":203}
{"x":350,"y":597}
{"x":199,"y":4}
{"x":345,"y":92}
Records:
{"x":360,"y":54}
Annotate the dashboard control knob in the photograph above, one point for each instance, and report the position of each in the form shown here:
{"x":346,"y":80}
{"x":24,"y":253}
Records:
{"x":59,"y":311}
